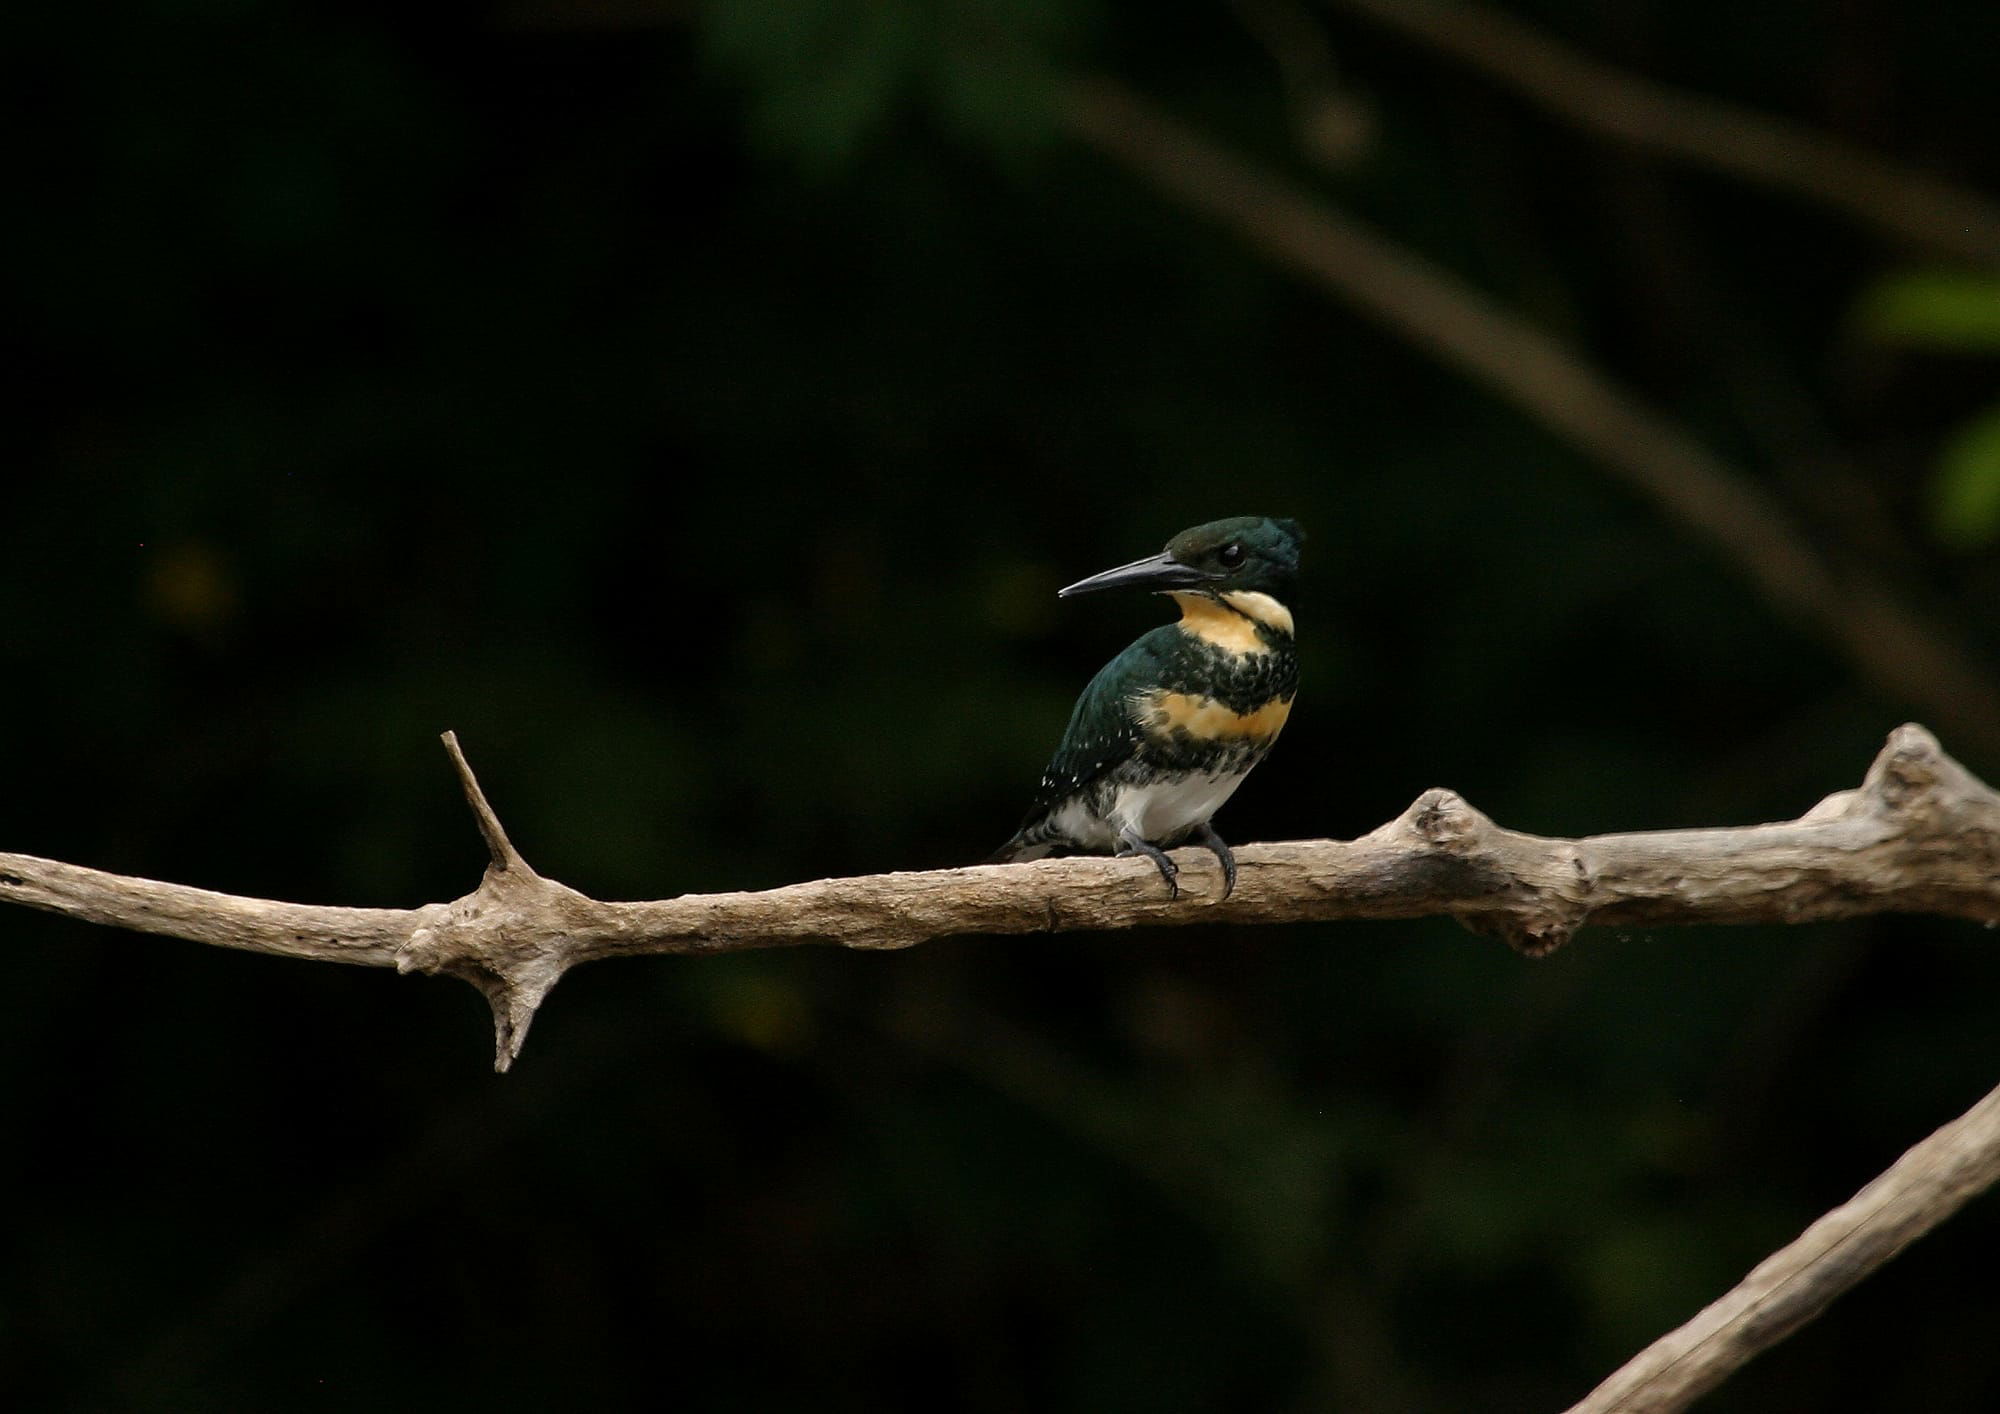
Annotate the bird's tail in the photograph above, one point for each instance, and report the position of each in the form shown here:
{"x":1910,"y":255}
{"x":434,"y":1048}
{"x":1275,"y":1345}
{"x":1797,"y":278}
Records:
{"x":1027,"y":844}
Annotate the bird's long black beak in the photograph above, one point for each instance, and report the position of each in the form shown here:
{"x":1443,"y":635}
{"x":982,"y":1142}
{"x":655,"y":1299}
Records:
{"x":1156,"y":572}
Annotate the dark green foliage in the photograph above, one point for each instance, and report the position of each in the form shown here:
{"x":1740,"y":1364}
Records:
{"x":1954,"y":312}
{"x":828,"y":78}
{"x":389,"y":369}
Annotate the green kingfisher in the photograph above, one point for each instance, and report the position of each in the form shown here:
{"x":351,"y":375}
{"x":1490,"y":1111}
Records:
{"x":1168,"y":729}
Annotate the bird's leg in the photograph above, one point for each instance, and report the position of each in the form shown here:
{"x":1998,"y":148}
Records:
{"x":1130,"y":843}
{"x":1209,"y":837}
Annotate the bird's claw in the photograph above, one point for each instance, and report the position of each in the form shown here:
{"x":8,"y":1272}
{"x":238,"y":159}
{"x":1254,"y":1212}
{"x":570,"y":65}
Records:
{"x":1222,"y":853}
{"x":1130,"y":843}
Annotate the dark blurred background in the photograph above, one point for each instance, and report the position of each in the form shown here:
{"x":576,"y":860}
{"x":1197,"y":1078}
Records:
{"x":697,"y":407}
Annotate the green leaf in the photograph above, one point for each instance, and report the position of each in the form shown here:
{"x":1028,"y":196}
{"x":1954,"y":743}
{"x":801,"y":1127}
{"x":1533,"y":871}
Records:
{"x":824,"y":75}
{"x":1934,"y":309}
{"x":1965,"y":497}
{"x":824,"y":78}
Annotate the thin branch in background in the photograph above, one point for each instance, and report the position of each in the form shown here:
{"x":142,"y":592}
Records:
{"x":1796,"y":1283}
{"x":1334,"y":125}
{"x":1726,"y":137}
{"x":1889,"y":642}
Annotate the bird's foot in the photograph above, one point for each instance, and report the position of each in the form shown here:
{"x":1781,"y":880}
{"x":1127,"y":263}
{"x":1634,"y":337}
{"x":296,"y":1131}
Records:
{"x":1210,"y":838}
{"x":1130,"y":843}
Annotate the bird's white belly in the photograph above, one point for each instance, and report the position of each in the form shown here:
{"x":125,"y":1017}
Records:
{"x":1078,"y":825}
{"x":1165,"y":809}
{"x":1160,"y":811}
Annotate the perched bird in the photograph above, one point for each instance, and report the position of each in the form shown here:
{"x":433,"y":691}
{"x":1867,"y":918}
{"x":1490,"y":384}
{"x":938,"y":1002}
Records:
{"x":1170,"y":727}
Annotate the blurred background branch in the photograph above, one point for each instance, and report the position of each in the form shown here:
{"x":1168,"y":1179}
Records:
{"x":1931,"y":214}
{"x":1330,"y":119}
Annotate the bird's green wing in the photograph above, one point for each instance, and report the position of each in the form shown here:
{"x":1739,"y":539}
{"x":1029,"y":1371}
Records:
{"x":1101,"y":732}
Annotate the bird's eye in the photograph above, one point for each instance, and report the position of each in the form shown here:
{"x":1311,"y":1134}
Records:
{"x":1231,"y":555}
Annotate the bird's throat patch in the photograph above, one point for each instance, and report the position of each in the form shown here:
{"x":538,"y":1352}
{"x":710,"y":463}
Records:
{"x":1165,"y":713}
{"x":1232,"y":623}
{"x":1264,"y":608}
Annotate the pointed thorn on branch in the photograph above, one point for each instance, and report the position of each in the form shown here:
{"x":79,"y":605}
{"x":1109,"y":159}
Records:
{"x":513,"y":1013}
{"x":515,"y":998}
{"x":505,"y":856}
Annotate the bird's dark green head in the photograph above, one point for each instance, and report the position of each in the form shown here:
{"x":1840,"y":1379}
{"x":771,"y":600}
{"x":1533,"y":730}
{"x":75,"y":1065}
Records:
{"x":1251,"y":554}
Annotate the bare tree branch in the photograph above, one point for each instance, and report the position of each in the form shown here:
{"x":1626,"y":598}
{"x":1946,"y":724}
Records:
{"x":1727,"y":137}
{"x":1933,"y":1180}
{"x":1888,"y":640}
{"x":1921,"y":835}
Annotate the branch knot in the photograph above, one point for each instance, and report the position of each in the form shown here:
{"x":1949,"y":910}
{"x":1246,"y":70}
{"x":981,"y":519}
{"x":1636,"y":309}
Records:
{"x":1444,"y":820}
{"x":1908,"y":771}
